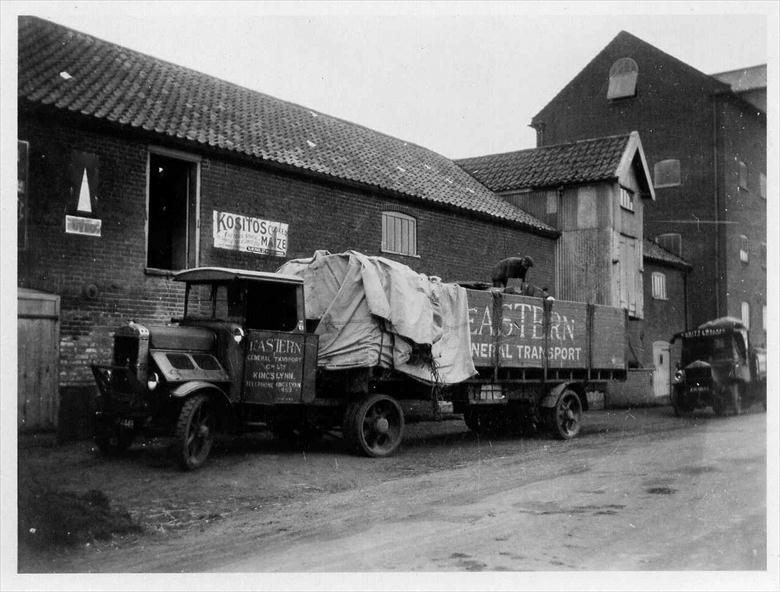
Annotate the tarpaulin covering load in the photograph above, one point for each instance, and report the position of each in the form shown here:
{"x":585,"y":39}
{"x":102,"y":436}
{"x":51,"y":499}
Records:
{"x":374,"y":311}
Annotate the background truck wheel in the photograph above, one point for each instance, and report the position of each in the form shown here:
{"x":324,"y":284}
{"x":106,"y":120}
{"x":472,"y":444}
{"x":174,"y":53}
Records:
{"x":736,"y":398}
{"x":680,"y":406}
{"x":194,"y":432}
{"x":374,"y":425}
{"x":113,"y":440}
{"x":565,"y":418}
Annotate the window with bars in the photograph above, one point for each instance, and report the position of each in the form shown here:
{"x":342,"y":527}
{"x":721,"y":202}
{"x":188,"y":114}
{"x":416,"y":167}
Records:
{"x":659,"y":285}
{"x":399,"y":234}
{"x":744,"y":248}
{"x":743,"y":175}
{"x":745,"y":309}
{"x":626,"y":199}
{"x":666,"y":173}
{"x":622,"y":79}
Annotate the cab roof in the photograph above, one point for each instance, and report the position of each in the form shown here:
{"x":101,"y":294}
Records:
{"x":224,"y":274}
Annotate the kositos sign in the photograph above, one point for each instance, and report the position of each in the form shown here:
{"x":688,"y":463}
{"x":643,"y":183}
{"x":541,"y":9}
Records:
{"x":250,"y":235}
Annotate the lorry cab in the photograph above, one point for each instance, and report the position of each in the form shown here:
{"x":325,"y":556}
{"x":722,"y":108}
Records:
{"x":719,"y":368}
{"x":239,"y":349}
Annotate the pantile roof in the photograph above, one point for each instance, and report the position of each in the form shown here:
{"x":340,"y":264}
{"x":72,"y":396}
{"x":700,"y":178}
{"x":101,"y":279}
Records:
{"x":585,"y":161}
{"x":66,"y":70}
{"x":655,"y":252}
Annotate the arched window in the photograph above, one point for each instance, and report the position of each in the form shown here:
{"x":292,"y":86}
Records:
{"x":666,"y":173}
{"x":399,"y":234}
{"x":622,"y":79}
{"x":671,"y":241}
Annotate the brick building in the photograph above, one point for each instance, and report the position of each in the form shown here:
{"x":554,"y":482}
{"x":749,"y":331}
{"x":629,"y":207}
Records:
{"x":595,"y":192}
{"x":131,"y":168}
{"x":705,"y":141}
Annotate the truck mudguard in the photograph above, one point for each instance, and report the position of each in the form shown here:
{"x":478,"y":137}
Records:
{"x":196,"y":385}
{"x":551,"y":398}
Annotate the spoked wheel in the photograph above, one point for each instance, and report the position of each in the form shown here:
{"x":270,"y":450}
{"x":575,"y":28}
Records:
{"x":567,"y":416}
{"x":194,"y":432}
{"x":680,"y":405}
{"x":374,"y":425}
{"x":718,"y":404}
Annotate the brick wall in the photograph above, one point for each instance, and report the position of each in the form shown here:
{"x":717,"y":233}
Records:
{"x":663,"y":318}
{"x":674,"y":111}
{"x":744,"y":140}
{"x":320,"y":214}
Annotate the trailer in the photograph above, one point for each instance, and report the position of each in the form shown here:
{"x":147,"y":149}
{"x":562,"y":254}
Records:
{"x":537,"y":360}
{"x":352,"y":343}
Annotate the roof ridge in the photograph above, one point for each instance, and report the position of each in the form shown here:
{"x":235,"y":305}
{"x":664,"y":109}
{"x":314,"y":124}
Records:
{"x":225,"y":81}
{"x":738,"y":69}
{"x":547,"y":146}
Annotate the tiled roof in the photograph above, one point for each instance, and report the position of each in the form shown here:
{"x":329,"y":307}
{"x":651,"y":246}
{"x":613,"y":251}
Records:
{"x":585,"y":161}
{"x":71,"y":71}
{"x":655,"y":252}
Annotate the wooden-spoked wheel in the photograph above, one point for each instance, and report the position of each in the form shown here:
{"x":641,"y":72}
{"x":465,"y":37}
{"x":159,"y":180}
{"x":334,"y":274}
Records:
{"x":194,"y":432}
{"x":374,"y":425}
{"x":566,"y":416}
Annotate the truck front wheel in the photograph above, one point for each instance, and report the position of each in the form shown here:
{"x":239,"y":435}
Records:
{"x":565,"y":418}
{"x":374,"y":425}
{"x":194,"y":432}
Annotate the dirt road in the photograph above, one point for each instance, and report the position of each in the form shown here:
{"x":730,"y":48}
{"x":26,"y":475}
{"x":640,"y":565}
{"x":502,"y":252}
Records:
{"x":637,"y":490}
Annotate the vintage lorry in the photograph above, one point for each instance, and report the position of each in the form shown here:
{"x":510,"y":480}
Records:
{"x":348,"y":342}
{"x":718,"y":367}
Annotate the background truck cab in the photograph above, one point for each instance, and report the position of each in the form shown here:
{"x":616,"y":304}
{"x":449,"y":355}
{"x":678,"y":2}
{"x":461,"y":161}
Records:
{"x":720,"y":368}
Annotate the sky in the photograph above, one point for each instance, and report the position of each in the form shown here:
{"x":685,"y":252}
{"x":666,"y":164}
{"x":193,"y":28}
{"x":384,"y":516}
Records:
{"x":460,"y":78}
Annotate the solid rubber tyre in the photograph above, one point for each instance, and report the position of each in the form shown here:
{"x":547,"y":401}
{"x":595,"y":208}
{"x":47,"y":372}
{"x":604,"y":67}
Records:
{"x":374,"y":425}
{"x":194,"y":432}
{"x":566,"y":416}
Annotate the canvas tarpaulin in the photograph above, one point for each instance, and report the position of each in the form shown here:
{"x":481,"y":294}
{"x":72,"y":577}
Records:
{"x":374,"y":311}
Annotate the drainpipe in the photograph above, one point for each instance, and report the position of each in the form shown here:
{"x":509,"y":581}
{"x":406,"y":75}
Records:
{"x":716,"y":218}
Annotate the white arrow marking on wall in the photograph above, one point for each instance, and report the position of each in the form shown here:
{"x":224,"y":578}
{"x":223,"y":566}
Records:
{"x":85,"y":204}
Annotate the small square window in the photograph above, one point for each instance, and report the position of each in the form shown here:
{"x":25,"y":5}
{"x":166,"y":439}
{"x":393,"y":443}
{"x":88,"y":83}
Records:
{"x":659,"y":286}
{"x":666,"y":173}
{"x":745,"y":310}
{"x":399,"y":234}
{"x":743,"y":175}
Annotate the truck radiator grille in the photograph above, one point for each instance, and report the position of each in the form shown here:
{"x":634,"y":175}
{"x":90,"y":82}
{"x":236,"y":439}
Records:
{"x":126,"y":351}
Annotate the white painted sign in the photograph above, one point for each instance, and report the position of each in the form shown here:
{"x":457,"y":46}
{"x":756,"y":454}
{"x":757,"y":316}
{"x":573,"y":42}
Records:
{"x":85,"y":226}
{"x":250,"y":235}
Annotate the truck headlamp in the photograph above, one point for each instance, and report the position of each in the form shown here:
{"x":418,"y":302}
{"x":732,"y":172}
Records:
{"x":238,"y":334}
{"x":153,"y":381}
{"x":678,"y":375}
